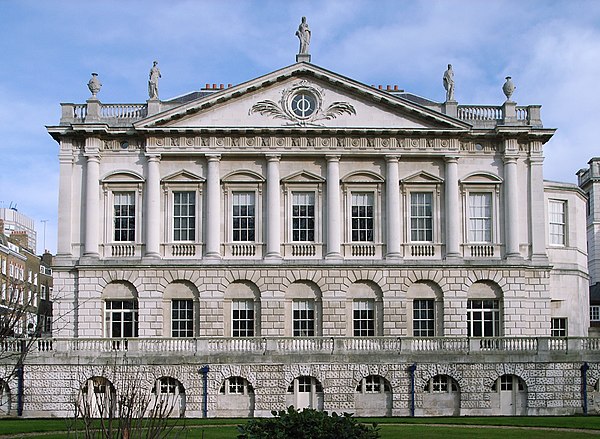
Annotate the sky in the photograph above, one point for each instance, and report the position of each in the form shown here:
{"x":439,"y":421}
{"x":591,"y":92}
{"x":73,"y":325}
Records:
{"x":49,"y":48}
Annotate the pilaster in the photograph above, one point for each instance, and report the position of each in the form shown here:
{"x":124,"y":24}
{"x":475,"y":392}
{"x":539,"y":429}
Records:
{"x":452,"y":198}
{"x":213,"y":207}
{"x":393,"y":209}
{"x":333,"y":208}
{"x":153,"y":207}
{"x":273,"y":208}
{"x":92,"y":196}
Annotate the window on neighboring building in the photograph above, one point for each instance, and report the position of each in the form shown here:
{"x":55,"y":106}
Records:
{"x":121,"y":318}
{"x":242,"y":318}
{"x":423,"y":318}
{"x":362,"y":217}
{"x":483,"y":318}
{"x":184,"y":216}
{"x":557,"y":221}
{"x":558,"y":327}
{"x":303,"y":216}
{"x":244,"y":216}
{"x":421,"y":216}
{"x":182,"y":318}
{"x":124,"y":216}
{"x":303,"y":318}
{"x":364,"y":318}
{"x":480,"y":217}
{"x":595,"y":313}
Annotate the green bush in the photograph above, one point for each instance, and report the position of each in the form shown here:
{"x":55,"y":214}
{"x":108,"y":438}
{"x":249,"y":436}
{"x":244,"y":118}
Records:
{"x":307,"y":424}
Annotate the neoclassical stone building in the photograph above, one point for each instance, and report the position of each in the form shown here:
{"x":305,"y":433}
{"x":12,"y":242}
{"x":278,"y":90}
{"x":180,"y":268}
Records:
{"x":303,"y":238}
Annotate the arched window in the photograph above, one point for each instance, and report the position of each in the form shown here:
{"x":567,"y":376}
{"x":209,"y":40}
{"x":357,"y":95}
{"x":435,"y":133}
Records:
{"x":97,"y":398}
{"x":441,"y":384}
{"x":168,"y":398}
{"x":373,"y":384}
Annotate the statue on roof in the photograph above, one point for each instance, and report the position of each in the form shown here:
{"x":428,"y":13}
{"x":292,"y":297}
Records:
{"x":449,"y":83}
{"x":303,"y":34}
{"x":153,"y":81}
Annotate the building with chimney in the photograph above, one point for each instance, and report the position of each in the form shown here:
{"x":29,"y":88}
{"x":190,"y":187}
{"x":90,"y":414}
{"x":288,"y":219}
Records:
{"x":305,"y":239}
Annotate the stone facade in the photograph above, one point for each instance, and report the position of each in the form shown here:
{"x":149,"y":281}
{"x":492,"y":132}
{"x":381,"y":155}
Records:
{"x":306,"y":239}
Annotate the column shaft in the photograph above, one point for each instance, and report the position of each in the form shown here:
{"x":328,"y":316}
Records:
{"x":452,"y":208}
{"x":213,"y":208}
{"x":92,"y":202}
{"x":273,"y":208}
{"x":65,"y":199}
{"x":511,"y":206}
{"x":333,"y":208}
{"x":153,"y":207}
{"x":393,"y":209}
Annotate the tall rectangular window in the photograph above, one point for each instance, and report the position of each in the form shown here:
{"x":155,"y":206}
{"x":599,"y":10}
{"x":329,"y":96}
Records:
{"x":364,"y":318}
{"x":558,"y":327}
{"x":595,"y":313}
{"x":303,"y":216}
{"x":242,"y":318}
{"x":421,"y":216}
{"x":483,"y":318}
{"x":121,"y":318}
{"x":423,"y":318}
{"x":480,"y":217}
{"x":304,"y":318}
{"x":124,"y":216}
{"x":182,"y":318}
{"x":557,"y":222}
{"x":244,"y":216}
{"x":184,"y":216}
{"x":362,"y":217}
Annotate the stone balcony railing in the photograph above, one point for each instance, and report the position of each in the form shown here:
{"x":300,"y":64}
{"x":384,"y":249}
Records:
{"x":274,"y":346}
{"x":478,"y":115}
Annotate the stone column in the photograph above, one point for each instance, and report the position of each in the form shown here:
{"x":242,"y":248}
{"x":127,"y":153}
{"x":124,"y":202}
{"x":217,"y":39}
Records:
{"x":213,"y":207}
{"x":92,"y":196}
{"x":273,"y":208}
{"x":393,"y":209}
{"x":536,"y":195}
{"x":65,"y":197}
{"x":511,"y":206}
{"x":333,"y":208}
{"x":152,"y":222}
{"x":452,"y":208}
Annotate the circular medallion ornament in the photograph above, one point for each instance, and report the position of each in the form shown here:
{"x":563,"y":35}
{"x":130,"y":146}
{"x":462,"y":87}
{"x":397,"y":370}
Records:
{"x":303,"y":104}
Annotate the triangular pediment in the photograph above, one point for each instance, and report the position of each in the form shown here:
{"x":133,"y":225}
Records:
{"x":303,"y":177}
{"x":422,"y":177}
{"x":301,"y":95}
{"x":183,"y":176}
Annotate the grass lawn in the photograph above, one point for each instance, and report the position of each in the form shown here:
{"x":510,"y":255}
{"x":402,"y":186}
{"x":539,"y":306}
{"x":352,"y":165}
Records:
{"x":390,"y":428}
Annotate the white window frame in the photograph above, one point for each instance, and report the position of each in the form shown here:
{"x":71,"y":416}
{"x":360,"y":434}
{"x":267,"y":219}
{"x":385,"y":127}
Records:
{"x":190,"y":306}
{"x":410,"y":216}
{"x":494,"y":191}
{"x":374,"y":190}
{"x":497,"y":320}
{"x":108,"y":317}
{"x":595,"y":313}
{"x":441,"y":384}
{"x":559,"y":327}
{"x":373,"y":384}
{"x":303,"y":182}
{"x":305,"y":306}
{"x":236,"y":385}
{"x":251,"y":202}
{"x":129,"y":196}
{"x":364,"y":307}
{"x":245,"y":306}
{"x":309,"y":193}
{"x":556,"y":224}
{"x":480,"y":218}
{"x":431,"y":310}
{"x":109,"y":206}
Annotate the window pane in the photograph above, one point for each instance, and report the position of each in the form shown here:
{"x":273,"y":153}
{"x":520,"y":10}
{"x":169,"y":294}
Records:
{"x":480,"y":217}
{"x":364,"y":318}
{"x":124,"y":216}
{"x":421,"y":219}
{"x":362,"y":217}
{"x":182,"y":318}
{"x":423,"y":318}
{"x":303,"y":216}
{"x":303,"y":318}
{"x":557,"y":221}
{"x":483,"y":318}
{"x":184,"y":216}
{"x":243,"y":216}
{"x":242,"y":318}
{"x":121,"y":318}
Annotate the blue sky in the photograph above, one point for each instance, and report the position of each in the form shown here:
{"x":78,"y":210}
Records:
{"x":49,"y":49}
